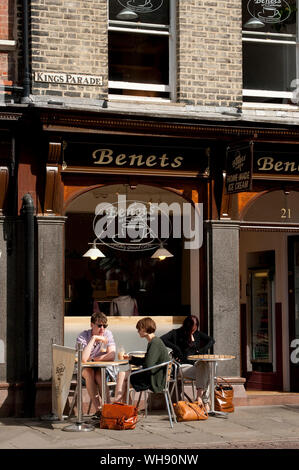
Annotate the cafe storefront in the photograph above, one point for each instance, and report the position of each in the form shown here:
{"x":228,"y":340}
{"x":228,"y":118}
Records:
{"x":237,"y":276}
{"x":269,"y":229}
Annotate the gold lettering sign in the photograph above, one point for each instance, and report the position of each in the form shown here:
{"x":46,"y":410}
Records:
{"x":272,"y":165}
{"x":107,"y":156}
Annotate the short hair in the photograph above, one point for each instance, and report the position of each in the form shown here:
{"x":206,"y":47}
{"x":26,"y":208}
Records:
{"x":99,"y":316}
{"x":146,"y":324}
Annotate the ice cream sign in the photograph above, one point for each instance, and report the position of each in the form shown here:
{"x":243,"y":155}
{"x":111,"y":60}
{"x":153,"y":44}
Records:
{"x":269,"y":11}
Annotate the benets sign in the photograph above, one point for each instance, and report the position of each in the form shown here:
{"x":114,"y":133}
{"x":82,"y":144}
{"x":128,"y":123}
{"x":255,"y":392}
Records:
{"x":150,"y":156}
{"x":276,"y":163}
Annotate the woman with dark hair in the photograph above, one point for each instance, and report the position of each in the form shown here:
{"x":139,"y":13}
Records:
{"x":186,"y":341}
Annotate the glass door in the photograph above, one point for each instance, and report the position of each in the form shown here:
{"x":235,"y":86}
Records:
{"x":262,"y":325}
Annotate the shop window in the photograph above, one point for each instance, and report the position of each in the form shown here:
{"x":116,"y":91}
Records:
{"x":141,"y":49}
{"x":270,"y":39}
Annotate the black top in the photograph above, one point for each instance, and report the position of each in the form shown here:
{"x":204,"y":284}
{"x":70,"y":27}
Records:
{"x":176,"y":340}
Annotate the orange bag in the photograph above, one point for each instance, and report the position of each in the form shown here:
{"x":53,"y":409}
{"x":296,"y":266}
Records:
{"x":118,"y":416}
{"x":224,"y":396}
{"x":186,"y":411}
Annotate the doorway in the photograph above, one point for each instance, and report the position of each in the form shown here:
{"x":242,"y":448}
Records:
{"x":293,"y":260}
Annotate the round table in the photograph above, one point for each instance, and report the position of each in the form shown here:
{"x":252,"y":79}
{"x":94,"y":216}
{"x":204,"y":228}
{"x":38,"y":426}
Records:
{"x":212,"y":359}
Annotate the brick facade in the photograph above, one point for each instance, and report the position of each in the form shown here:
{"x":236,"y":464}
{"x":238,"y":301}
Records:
{"x":69,"y":36}
{"x":209,"y":54}
{"x":8,"y":60}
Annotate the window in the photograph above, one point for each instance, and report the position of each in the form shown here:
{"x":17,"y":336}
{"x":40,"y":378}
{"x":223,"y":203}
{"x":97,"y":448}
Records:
{"x":141,"y":43}
{"x":270,"y":38}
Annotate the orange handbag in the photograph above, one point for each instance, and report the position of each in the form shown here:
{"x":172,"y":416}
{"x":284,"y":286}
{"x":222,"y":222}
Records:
{"x":186,"y":411}
{"x":224,"y":395}
{"x":118,"y":416}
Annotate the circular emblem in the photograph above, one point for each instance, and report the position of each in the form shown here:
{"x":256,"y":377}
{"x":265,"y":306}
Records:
{"x":269,"y":11}
{"x":142,"y":6}
{"x":132,"y":227}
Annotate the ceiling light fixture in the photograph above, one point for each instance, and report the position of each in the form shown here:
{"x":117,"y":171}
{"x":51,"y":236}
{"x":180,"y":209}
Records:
{"x":254,"y":23}
{"x":161,"y":253}
{"x":127,"y":15}
{"x":94,"y":253}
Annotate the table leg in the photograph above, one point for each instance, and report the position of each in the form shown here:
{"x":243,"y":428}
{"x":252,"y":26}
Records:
{"x":79,"y":425}
{"x":213,"y":412}
{"x":103,"y":381}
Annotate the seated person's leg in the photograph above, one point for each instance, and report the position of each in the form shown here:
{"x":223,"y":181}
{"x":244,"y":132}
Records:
{"x":92,"y":387}
{"x":121,"y":387}
{"x":202,"y":380}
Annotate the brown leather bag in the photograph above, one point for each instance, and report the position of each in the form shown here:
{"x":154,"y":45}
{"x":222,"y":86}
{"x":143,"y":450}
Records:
{"x":224,"y":396}
{"x":118,"y":416}
{"x":186,"y":411}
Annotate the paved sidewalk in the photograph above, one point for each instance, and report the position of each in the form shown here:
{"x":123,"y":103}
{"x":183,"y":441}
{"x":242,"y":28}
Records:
{"x":262,"y":427}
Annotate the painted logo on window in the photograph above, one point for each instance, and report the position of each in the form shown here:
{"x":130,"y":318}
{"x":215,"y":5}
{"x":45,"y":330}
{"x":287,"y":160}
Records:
{"x":269,"y":11}
{"x":142,"y":6}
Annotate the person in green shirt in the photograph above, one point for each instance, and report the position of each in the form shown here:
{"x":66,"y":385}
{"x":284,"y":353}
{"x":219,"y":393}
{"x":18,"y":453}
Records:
{"x":156,"y":353}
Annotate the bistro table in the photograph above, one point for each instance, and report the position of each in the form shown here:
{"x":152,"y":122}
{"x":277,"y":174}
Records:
{"x":104,"y":365}
{"x":212,"y":359}
{"x":80,"y":425}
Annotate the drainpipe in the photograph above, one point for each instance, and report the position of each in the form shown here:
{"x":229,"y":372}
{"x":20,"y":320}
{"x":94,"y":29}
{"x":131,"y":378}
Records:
{"x":26,"y":63}
{"x":29,"y":387}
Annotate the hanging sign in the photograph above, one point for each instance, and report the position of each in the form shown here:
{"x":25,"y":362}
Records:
{"x":239,"y":168}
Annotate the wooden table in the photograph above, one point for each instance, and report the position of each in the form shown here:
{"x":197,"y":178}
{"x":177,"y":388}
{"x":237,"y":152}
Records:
{"x":212,"y":359}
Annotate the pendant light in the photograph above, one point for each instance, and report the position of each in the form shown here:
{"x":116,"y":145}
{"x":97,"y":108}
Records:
{"x":161,"y":253}
{"x":126,"y":15}
{"x":94,"y":253}
{"x":254,"y":23}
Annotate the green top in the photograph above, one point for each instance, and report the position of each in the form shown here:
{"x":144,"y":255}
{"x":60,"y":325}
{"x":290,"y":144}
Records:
{"x":156,"y":353}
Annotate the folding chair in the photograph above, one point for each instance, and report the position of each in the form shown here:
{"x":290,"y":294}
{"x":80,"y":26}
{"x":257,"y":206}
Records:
{"x":169,"y":367}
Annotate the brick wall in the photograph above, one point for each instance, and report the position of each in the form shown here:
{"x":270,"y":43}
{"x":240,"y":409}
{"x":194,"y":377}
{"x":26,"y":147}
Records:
{"x":209,"y":53}
{"x":69,"y":36}
{"x":7,"y":32}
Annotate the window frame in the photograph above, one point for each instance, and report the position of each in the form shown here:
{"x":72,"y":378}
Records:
{"x":153,"y":29}
{"x":291,"y":39}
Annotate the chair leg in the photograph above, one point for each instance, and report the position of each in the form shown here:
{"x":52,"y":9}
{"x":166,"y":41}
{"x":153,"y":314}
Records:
{"x":171,"y":407}
{"x":168,"y":408}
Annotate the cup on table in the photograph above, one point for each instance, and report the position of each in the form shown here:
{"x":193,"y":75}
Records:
{"x":121,"y":353}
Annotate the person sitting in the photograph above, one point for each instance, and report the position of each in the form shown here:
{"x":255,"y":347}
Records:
{"x":156,"y":353}
{"x":98,"y":345}
{"x":186,"y":341}
{"x":124,"y":304}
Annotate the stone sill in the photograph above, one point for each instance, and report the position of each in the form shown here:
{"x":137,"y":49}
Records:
{"x":7,"y":45}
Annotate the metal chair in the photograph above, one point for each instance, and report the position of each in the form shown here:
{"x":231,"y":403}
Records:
{"x":184,"y":381}
{"x":169,"y":368}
